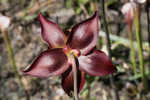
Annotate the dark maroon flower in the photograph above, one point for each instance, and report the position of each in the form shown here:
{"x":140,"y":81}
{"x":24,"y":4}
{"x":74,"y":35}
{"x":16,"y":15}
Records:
{"x":81,"y":43}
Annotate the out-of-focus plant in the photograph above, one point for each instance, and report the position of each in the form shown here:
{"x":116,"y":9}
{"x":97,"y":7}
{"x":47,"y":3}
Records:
{"x":135,"y":14}
{"x":137,"y":23}
{"x":71,"y":56}
{"x":4,"y":24}
{"x":128,"y":11}
{"x":81,"y":5}
{"x":148,"y":24}
{"x":140,"y":47}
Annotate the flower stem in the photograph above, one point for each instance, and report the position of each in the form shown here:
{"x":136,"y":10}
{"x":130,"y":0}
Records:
{"x":75,"y":76}
{"x":140,"y":47}
{"x":12,"y":60}
{"x":116,"y":97}
{"x":132,"y":48}
{"x":148,"y":21}
{"x":148,"y":28}
{"x":89,"y":91}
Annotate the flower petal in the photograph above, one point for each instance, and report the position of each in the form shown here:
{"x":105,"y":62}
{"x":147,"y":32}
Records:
{"x":51,"y":33}
{"x":84,"y":35}
{"x":96,"y":64}
{"x":67,"y":81}
{"x":50,"y":62}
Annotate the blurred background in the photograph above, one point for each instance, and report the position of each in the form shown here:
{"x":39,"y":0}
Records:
{"x":24,"y":33}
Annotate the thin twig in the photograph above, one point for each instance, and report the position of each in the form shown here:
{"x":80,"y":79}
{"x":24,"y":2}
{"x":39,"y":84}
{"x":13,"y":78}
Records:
{"x":75,"y":77}
{"x":109,"y":49}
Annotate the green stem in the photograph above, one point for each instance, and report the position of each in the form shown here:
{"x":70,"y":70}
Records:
{"x":148,"y":28}
{"x":89,"y":91}
{"x":140,"y":47}
{"x":75,"y":77}
{"x":5,"y":36}
{"x":132,"y":49}
{"x":12,"y":60}
{"x":148,"y":22}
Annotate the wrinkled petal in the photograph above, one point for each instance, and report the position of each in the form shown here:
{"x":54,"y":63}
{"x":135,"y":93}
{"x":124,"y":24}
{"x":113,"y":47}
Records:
{"x":84,"y":35}
{"x":67,"y":81}
{"x":96,"y":64}
{"x":51,"y":33}
{"x":49,"y":63}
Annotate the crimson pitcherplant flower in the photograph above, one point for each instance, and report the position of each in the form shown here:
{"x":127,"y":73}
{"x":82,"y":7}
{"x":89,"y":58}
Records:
{"x":80,"y":43}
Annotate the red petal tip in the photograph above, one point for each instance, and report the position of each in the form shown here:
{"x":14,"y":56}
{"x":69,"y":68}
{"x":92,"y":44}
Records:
{"x":52,"y":33}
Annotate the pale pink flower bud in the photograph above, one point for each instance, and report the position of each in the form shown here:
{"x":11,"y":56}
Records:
{"x":128,"y":10}
{"x":4,"y":22}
